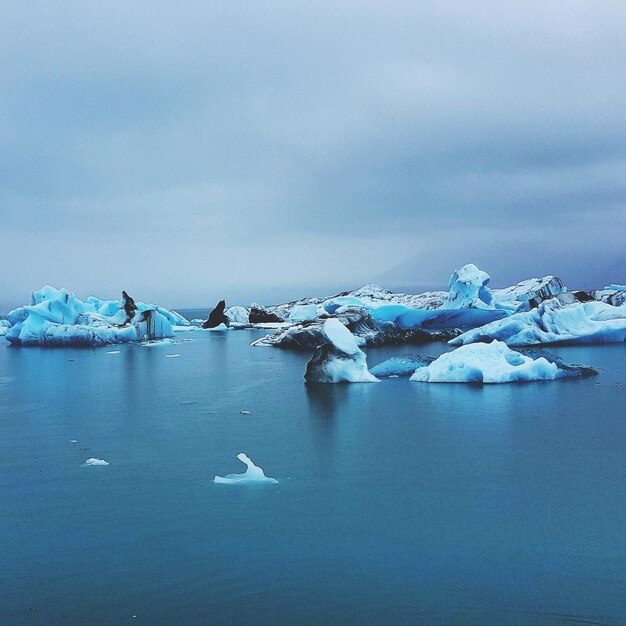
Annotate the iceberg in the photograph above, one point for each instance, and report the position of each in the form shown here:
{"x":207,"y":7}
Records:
{"x":4,"y":327}
{"x":56,"y":317}
{"x":468,"y":289}
{"x":303,"y":313}
{"x":611,"y":294}
{"x":554,"y":322}
{"x":360,"y":322}
{"x":93,"y":462}
{"x":238,"y":314}
{"x":253,"y":474}
{"x":339,"y":360}
{"x":493,"y":363}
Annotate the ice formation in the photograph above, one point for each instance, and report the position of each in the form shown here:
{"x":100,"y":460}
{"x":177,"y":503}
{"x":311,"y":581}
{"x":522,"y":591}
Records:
{"x":253,"y":474}
{"x":531,"y":289}
{"x":238,"y":314}
{"x":303,"y":313}
{"x":339,"y":360}
{"x":403,"y":365}
{"x":58,"y":317}
{"x":554,"y":322}
{"x":94,"y":461}
{"x":468,"y":289}
{"x":4,"y":327}
{"x":486,"y":363}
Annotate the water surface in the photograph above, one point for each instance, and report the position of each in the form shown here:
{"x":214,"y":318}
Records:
{"x":398,"y":502}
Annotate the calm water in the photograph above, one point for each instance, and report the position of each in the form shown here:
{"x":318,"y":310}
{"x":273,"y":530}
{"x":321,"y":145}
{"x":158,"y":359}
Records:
{"x":398,"y":502}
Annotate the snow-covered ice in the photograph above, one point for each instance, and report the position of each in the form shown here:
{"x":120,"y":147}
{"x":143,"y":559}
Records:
{"x":253,"y":474}
{"x":553,"y":322}
{"x":486,"y":363}
{"x":340,"y":359}
{"x":94,"y":461}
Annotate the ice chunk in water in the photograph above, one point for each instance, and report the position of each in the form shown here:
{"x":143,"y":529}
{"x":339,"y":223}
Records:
{"x":254,"y":474}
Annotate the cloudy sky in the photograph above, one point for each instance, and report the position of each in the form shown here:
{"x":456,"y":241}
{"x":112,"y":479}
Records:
{"x":188,"y":151}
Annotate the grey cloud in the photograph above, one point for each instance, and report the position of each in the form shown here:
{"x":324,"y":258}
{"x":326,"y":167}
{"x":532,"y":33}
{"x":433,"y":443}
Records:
{"x":308,"y":143}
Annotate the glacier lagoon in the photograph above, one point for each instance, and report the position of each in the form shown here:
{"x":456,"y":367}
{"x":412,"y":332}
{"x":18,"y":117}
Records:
{"x":396,"y":502}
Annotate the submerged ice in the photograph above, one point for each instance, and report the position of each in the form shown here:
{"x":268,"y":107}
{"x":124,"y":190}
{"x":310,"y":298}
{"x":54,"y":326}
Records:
{"x":253,"y":474}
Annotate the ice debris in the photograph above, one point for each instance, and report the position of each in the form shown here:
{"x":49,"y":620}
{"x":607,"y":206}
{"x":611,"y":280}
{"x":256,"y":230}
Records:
{"x":94,"y":461}
{"x":253,"y":474}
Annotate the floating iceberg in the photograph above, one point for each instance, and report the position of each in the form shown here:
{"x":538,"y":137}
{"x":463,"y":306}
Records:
{"x":92,"y":462}
{"x":340,"y":360}
{"x":238,"y":314}
{"x":554,"y":322}
{"x":4,"y":327}
{"x":492,"y":363}
{"x":58,"y":317}
{"x":253,"y":474}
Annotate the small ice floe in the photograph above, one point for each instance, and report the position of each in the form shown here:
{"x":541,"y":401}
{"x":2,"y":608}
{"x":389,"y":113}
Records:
{"x":113,"y":352}
{"x":94,"y":461}
{"x":158,"y":342}
{"x":245,"y":412}
{"x":73,"y":440}
{"x":254,"y":474}
{"x":171,"y":356}
{"x":183,"y":329}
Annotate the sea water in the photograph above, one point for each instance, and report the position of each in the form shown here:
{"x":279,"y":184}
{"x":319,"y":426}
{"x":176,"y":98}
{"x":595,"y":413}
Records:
{"x":397,"y":502}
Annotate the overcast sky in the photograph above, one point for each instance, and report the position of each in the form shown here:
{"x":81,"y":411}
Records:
{"x":189,"y":151}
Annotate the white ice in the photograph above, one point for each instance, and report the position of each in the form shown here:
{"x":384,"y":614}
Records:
{"x":486,"y":363}
{"x":253,"y":474}
{"x":93,"y":461}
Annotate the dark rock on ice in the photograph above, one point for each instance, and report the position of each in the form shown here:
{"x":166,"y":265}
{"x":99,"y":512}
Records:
{"x":129,"y":306}
{"x":369,"y":332}
{"x":260,"y":315}
{"x":217,"y":316}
